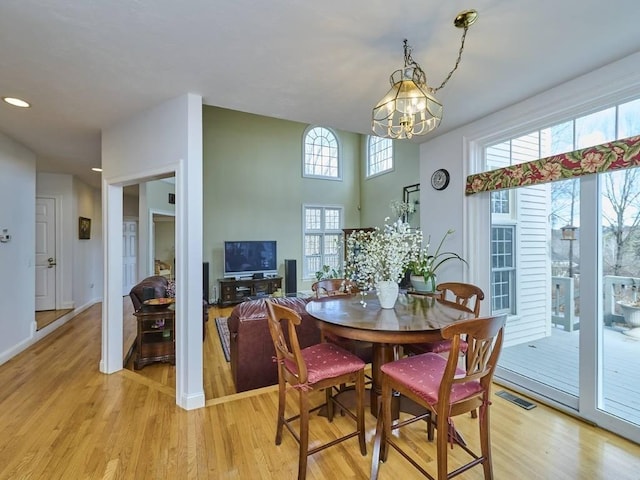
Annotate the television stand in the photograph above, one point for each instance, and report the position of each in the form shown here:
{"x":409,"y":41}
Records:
{"x":234,"y":291}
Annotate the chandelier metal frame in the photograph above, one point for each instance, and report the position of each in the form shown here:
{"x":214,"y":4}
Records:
{"x":410,"y":107}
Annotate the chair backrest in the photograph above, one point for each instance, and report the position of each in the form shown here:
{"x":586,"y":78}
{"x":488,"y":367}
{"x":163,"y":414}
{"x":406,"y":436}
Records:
{"x":334,"y":286}
{"x":484,"y":338}
{"x":286,"y":350}
{"x":464,"y":294}
{"x":162,"y":268}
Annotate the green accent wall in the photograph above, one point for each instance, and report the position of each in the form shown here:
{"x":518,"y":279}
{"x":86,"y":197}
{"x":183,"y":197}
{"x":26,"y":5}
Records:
{"x":254,"y":190}
{"x":377,"y":192}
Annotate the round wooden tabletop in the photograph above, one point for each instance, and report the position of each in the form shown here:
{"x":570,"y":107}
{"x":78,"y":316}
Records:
{"x":414,"y":319}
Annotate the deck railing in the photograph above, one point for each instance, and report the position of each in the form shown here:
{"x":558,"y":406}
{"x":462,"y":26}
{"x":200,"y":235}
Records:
{"x":564,"y":308}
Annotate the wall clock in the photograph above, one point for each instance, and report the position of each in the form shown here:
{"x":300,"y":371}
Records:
{"x":440,"y":179}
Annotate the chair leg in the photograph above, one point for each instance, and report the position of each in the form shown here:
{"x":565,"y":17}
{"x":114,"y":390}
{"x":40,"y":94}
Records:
{"x":329,"y":402}
{"x":377,"y":446}
{"x":441,"y":445}
{"x":485,"y":442}
{"x":282,"y":393}
{"x":387,"y":394}
{"x":360,"y":412}
{"x":304,"y":435}
{"x":430,"y":422}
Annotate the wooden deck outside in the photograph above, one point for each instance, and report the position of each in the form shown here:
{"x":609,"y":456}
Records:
{"x":553,"y":361}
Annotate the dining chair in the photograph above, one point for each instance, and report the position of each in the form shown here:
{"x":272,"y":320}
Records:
{"x":467,"y":297}
{"x":334,"y":286}
{"x":445,"y":390}
{"x":317,"y":367}
{"x":331,"y":287}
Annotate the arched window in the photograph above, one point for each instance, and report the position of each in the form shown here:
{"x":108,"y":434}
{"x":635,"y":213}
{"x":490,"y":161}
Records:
{"x":379,"y":156}
{"x":321,"y":154}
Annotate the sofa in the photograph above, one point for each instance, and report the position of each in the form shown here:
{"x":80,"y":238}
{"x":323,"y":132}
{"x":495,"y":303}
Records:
{"x":252,"y":352}
{"x":251,"y":347}
{"x":158,"y":286}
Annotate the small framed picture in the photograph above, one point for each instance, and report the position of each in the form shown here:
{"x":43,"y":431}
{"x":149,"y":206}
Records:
{"x":84,"y":228}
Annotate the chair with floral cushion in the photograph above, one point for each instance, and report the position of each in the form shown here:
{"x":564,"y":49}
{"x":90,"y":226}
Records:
{"x":317,"y":367}
{"x":445,"y":390}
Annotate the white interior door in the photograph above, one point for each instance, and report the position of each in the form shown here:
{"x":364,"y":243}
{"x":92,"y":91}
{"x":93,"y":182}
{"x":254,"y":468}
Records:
{"x":45,"y":254}
{"x":129,"y":255}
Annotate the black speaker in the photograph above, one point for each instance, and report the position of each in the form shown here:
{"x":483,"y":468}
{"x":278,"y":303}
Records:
{"x":205,"y":281}
{"x":290,"y":276}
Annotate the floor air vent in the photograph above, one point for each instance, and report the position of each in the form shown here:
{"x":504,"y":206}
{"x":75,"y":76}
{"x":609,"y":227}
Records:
{"x":521,"y":402}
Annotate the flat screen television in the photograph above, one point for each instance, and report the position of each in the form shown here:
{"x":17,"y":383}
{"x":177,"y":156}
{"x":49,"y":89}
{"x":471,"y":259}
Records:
{"x":245,"y":258}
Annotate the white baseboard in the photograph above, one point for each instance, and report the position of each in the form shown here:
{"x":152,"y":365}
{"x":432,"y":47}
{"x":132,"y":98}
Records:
{"x":15,"y":350}
{"x":191,"y":402}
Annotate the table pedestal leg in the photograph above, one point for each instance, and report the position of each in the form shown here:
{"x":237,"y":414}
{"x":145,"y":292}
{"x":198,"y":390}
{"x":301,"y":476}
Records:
{"x":382,"y":353}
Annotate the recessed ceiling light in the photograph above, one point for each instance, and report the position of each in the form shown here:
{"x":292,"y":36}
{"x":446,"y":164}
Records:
{"x":16,"y":102}
{"x":96,"y":169}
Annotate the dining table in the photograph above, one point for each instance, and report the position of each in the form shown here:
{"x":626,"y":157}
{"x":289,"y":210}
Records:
{"x":413,"y":319}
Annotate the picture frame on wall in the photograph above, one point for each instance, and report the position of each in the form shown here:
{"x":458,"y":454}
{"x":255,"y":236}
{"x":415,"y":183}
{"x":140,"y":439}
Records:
{"x":84,"y":228}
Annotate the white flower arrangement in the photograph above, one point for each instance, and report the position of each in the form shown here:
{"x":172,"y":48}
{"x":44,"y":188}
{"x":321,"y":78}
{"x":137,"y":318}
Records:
{"x":401,"y":208}
{"x":382,"y":254}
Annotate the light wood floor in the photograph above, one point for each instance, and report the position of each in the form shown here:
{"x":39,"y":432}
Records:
{"x":216,"y":370}
{"x":47,"y":317}
{"x":62,"y":419}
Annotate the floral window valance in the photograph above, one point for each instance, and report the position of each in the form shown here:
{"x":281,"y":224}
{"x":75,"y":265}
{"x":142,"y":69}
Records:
{"x":601,"y":158}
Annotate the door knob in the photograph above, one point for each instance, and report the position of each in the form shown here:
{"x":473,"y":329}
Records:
{"x":51,"y":261}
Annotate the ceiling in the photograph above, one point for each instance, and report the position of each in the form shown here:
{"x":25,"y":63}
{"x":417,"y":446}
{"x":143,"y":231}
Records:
{"x":86,"y":65}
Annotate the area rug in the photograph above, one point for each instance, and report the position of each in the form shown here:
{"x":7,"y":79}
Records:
{"x":223,"y":334}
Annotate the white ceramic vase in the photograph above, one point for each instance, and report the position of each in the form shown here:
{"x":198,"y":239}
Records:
{"x":387,"y":291}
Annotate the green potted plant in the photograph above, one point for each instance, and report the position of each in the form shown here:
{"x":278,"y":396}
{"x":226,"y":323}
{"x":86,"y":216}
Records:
{"x":424,"y":267}
{"x":328,"y":271}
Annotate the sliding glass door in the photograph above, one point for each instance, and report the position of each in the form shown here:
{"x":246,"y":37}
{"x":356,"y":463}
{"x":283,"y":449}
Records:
{"x":535,"y":253}
{"x":618,"y":332}
{"x":571,"y":288}
{"x":565,"y":267}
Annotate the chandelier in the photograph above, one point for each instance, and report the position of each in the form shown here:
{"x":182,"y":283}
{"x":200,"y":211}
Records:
{"x":410,"y":107}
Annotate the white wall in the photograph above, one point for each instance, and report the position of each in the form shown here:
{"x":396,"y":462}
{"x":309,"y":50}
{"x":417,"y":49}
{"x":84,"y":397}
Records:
{"x":154,"y":198}
{"x":165,"y":239}
{"x":87,"y":254}
{"x":79,"y":263}
{"x":61,"y":187}
{"x":130,"y":205}
{"x":17,"y":257}
{"x":161,"y":140}
{"x":458,"y":152}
